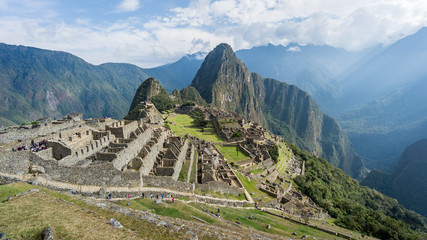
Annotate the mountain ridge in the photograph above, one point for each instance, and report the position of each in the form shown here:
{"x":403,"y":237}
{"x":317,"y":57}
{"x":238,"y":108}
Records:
{"x":224,"y":81}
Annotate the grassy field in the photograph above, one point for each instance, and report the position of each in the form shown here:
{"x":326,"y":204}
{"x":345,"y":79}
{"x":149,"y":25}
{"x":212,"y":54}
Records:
{"x":26,"y":216}
{"x":221,"y":195}
{"x":177,"y":209}
{"x":193,"y":173}
{"x":260,"y":220}
{"x":181,"y":124}
{"x":184,"y":171}
{"x":230,"y":153}
{"x":250,"y":186}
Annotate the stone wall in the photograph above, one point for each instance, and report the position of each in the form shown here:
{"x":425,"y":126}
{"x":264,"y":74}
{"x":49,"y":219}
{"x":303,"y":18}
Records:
{"x":222,"y":202}
{"x":190,"y":168}
{"x":95,"y":175}
{"x":221,"y":187}
{"x":131,"y":151}
{"x":77,"y":154}
{"x":150,"y":157}
{"x":44,"y":129}
{"x":166,"y":182}
{"x":16,"y":163}
{"x":123,"y":128}
{"x":181,"y":158}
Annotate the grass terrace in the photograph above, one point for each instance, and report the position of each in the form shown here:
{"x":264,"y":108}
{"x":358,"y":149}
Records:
{"x":259,"y":220}
{"x":230,"y":153}
{"x":250,"y":186}
{"x":26,"y":216}
{"x":181,"y":124}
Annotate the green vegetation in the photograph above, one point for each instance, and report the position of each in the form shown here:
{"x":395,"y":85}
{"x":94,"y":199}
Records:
{"x":182,"y":124}
{"x":355,"y":207}
{"x":177,"y":209}
{"x":256,"y":171}
{"x":238,"y":134}
{"x":250,"y":186}
{"x":26,"y":216}
{"x":199,"y":119}
{"x":189,"y":96}
{"x":232,"y":153}
{"x":274,"y":153}
{"x":163,"y":102}
{"x":184,"y":171}
{"x":220,"y":195}
{"x":259,"y":220}
{"x":193,"y":174}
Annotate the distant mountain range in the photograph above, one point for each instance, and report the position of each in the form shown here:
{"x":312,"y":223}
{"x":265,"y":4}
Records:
{"x":40,"y":83}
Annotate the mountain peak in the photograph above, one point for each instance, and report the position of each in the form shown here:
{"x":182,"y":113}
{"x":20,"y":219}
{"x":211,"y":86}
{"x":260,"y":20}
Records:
{"x":221,"y":68}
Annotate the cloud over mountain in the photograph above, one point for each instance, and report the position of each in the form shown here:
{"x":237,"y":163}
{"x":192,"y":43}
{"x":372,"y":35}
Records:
{"x":151,"y":33}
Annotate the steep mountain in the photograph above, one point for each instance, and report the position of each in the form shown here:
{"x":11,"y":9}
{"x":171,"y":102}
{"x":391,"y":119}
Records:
{"x":188,"y":95}
{"x":408,"y":182}
{"x":179,"y":74}
{"x":40,"y":83}
{"x":152,"y":91}
{"x":224,"y":81}
{"x":314,"y":69}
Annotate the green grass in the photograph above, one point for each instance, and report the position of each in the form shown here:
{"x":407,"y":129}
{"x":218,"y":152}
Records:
{"x":193,"y":174}
{"x":257,"y":171}
{"x":230,"y":153}
{"x":260,"y":220}
{"x":250,"y":186}
{"x":184,"y":171}
{"x":177,"y":209}
{"x":26,"y":216}
{"x":184,"y":124}
{"x":221,"y":195}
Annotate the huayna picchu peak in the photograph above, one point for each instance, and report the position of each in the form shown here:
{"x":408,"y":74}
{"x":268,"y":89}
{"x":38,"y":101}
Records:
{"x":225,"y":82}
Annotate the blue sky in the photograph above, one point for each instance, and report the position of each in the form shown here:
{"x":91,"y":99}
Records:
{"x":150,"y":33}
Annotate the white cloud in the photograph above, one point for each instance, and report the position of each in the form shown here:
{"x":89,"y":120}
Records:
{"x":204,"y":23}
{"x":294,"y":49}
{"x":128,"y":6}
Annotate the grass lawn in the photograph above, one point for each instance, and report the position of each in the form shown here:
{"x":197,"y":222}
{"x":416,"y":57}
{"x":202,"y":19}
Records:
{"x":230,"y":153}
{"x":260,"y":220}
{"x":185,"y":124}
{"x":256,"y":171}
{"x":221,"y":195}
{"x":184,"y":171}
{"x":250,"y":186}
{"x":177,"y":209}
{"x":193,"y":173}
{"x":25,"y":217}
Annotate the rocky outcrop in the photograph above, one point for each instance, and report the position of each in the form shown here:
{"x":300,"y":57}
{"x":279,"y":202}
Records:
{"x":225,"y":82}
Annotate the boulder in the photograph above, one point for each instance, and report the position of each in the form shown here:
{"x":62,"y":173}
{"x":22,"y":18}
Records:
{"x":115,"y":223}
{"x":47,"y":234}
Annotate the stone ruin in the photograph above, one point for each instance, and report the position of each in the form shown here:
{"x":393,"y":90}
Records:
{"x":170,"y":160}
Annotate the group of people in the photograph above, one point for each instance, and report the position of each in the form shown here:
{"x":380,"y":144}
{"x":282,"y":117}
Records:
{"x":34,"y":147}
{"x":109,"y":196}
